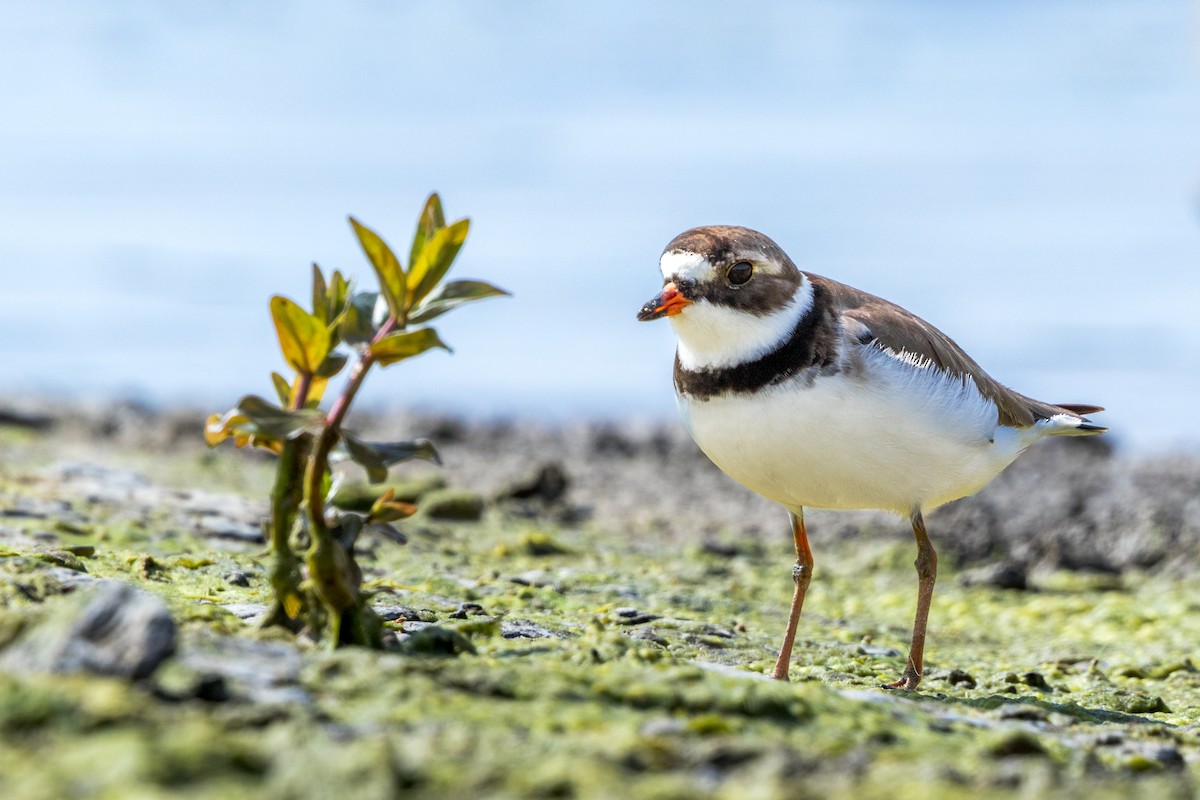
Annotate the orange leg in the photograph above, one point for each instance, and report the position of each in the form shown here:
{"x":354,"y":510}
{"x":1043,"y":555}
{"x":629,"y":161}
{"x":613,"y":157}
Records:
{"x":926,"y":565}
{"x":801,"y":575}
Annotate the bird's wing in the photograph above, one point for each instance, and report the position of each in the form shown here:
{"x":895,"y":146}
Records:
{"x":887,"y":325}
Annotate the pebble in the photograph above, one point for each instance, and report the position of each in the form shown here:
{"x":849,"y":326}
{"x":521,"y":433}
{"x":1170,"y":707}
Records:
{"x":1036,"y":680}
{"x":521,"y":629}
{"x":393,"y":613}
{"x":457,"y":505}
{"x":649,"y":635}
{"x":632,"y":616}
{"x":432,"y":640}
{"x":468,"y":609}
{"x":878,"y":651}
{"x":414,"y":626}
{"x":548,"y":484}
{"x":246,"y":611}
{"x":537,"y":578}
{"x":1017,"y":743}
{"x":225,"y":528}
{"x":1169,"y":757}
{"x":1022,"y":711}
{"x":237,"y":578}
{"x":958,"y":677}
{"x":1003,"y":575}
{"x":70,"y":579}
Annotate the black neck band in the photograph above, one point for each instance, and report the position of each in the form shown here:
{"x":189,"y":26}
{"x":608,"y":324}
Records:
{"x":812,"y":343}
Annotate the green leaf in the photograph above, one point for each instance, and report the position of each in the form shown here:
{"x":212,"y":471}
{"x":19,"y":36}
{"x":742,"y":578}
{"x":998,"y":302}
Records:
{"x":282,"y":388}
{"x":303,"y":337}
{"x":405,"y":344}
{"x":255,"y":421}
{"x":332,"y":365}
{"x":430,"y":222}
{"x":387,"y":531}
{"x":347,"y":526}
{"x":338,"y":296}
{"x":320,"y":299}
{"x":361,"y":320}
{"x":450,"y":295}
{"x":376,"y":457}
{"x":273,"y":422}
{"x":391,"y":276}
{"x":434,"y":260}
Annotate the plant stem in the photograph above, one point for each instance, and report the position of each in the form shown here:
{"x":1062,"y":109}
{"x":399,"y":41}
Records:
{"x":285,"y":502}
{"x":286,"y":495}
{"x":302,"y":389}
{"x":342,"y":405}
{"x":329,"y":566}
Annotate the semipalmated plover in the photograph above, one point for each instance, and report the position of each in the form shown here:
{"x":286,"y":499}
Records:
{"x":813,"y":393}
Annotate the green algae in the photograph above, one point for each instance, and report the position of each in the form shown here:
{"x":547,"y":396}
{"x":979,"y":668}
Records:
{"x":452,"y":504}
{"x":645,"y":676}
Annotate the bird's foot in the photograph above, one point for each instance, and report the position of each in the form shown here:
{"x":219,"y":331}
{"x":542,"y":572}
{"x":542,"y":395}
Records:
{"x":907,"y":682}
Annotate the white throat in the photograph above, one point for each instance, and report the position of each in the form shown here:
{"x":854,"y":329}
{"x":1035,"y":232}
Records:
{"x":712,"y":336}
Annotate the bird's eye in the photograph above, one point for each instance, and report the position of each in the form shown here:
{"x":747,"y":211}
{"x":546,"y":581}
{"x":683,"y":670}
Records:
{"x":740,"y":272}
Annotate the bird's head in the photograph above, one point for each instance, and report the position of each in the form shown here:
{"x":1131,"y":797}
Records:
{"x":730,"y":293}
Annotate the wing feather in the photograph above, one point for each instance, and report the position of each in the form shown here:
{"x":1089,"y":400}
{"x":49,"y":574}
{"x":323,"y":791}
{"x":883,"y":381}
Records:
{"x":906,"y":334}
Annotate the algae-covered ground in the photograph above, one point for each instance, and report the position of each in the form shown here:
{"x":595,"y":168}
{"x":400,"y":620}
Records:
{"x":548,"y":650}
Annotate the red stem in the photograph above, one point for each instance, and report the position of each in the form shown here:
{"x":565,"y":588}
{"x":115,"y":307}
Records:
{"x":302,"y":390}
{"x":333,"y":424}
{"x":342,"y":405}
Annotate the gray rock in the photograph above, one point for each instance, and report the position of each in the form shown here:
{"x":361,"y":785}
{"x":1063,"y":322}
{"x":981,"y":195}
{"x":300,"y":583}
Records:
{"x":250,"y":612}
{"x":34,"y":508}
{"x":220,"y":527}
{"x":548,"y":484}
{"x":958,"y":677}
{"x":633,"y":616}
{"x":878,"y":651}
{"x":249,"y":670}
{"x":456,"y":505}
{"x":111,"y":630}
{"x":522,"y":629}
{"x":1002,"y":575}
{"x":537,"y":578}
{"x":99,"y":483}
{"x":69,"y":580}
{"x":391,"y":613}
{"x":237,"y":578}
{"x":86,"y":472}
{"x":1023,"y":711}
{"x":465,"y":610}
{"x":433,"y":640}
{"x":414,"y":626}
{"x":1169,"y":757}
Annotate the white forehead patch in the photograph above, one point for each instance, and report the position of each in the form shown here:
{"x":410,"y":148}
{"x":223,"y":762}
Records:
{"x":686,"y":265}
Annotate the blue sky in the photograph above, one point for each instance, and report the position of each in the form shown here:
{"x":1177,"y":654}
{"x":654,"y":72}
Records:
{"x":1023,"y":175}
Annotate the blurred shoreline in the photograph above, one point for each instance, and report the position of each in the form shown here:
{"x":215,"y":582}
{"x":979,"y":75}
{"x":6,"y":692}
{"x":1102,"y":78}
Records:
{"x":1075,"y":504}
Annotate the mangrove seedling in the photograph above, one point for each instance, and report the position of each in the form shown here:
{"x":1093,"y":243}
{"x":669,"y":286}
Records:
{"x":317,"y":585}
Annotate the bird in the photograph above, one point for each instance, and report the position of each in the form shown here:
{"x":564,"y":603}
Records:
{"x":814,"y":394}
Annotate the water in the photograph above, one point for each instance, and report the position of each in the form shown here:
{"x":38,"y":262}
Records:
{"x":1023,"y":175}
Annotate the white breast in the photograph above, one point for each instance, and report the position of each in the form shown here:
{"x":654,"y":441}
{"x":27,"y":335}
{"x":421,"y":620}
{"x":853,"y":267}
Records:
{"x":893,"y":435}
